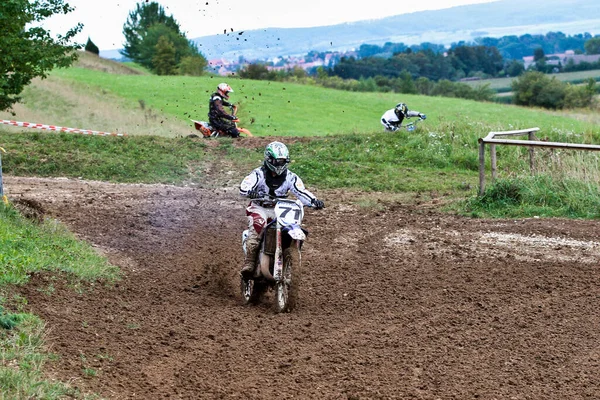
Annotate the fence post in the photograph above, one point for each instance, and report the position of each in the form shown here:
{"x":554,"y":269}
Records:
{"x":531,"y":152}
{"x":493,"y":161}
{"x":2,"y":196}
{"x":481,"y":167}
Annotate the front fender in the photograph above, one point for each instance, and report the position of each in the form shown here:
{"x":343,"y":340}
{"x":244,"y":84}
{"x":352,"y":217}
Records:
{"x":295,"y":232}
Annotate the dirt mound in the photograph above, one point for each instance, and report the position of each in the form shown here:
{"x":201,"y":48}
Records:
{"x":29,"y":208}
{"x":92,"y":61}
{"x":397,"y":302}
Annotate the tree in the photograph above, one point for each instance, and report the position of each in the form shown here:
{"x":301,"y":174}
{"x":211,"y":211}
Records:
{"x":91,"y":47}
{"x":139,"y":21}
{"x":581,"y":96}
{"x":514,"y":68}
{"x":26,"y":49}
{"x":536,"y":89}
{"x":407,"y":85}
{"x":257,"y":71}
{"x":540,"y":60}
{"x":192,"y":65}
{"x":424,"y":86}
{"x":538,"y":54}
{"x":164,"y":57}
{"x":322,"y":73}
{"x":149,"y":44}
{"x":592,"y":46}
{"x":143,"y":31}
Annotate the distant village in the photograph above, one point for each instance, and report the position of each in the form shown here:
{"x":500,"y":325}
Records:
{"x":314,"y":60}
{"x":563,"y":59}
{"x":307,"y":62}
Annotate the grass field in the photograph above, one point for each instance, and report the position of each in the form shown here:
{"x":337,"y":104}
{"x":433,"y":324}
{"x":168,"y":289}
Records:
{"x":287,"y":109}
{"x":122,"y":98}
{"x":503,"y":85}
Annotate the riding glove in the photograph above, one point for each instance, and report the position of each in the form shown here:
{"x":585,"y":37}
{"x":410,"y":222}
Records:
{"x":318,"y":204}
{"x":253,"y":194}
{"x":422,"y":116}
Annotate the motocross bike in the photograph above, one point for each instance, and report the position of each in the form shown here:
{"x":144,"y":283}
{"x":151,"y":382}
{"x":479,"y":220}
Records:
{"x":208,"y":131}
{"x":411,"y":126}
{"x":277,"y":265}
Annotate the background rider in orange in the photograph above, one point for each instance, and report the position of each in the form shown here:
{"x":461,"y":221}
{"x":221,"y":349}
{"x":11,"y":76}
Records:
{"x":218,"y":117}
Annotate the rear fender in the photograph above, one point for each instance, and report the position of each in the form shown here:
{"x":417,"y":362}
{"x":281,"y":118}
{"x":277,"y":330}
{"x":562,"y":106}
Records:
{"x":204,"y":127}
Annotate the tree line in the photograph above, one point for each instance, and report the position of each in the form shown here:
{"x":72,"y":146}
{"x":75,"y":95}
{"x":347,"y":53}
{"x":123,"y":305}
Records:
{"x":453,"y":64}
{"x":511,"y":47}
{"x":401,"y":84}
{"x":463,"y":60}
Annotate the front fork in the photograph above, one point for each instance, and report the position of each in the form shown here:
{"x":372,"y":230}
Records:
{"x":278,"y":259}
{"x":244,"y":238}
{"x":278,"y":262}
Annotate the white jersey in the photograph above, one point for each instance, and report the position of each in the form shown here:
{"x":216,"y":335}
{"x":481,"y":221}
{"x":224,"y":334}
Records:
{"x":391,"y":121}
{"x":277,"y":186}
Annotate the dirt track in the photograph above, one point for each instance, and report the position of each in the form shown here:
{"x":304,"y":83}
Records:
{"x":401,"y":302}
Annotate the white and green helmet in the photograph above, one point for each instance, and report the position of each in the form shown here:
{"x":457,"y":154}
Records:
{"x":277,"y":157}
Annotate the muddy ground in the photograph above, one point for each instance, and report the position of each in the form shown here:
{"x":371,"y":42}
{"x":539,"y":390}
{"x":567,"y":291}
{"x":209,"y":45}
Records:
{"x":397,"y":301}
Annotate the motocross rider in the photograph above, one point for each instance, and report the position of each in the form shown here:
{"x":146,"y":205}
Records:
{"x":218,"y":118}
{"x":392,"y":119}
{"x":272,"y":178}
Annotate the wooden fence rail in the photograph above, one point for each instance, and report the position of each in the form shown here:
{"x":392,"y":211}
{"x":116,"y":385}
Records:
{"x":532,"y":142}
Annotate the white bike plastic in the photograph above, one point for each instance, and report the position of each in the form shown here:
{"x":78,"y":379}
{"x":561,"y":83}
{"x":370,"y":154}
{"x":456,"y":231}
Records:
{"x":278,"y":263}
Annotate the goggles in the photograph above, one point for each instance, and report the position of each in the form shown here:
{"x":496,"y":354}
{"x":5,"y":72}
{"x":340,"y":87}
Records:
{"x":279,"y":162}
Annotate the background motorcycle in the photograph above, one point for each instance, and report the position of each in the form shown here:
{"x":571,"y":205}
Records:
{"x":208,"y":131}
{"x":277,"y":265}
{"x":411,"y":126}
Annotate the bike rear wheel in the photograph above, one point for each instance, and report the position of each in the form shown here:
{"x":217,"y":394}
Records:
{"x":286,"y":291}
{"x":245,"y":132}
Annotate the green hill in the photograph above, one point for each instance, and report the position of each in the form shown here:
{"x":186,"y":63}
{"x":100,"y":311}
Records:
{"x":288,"y":109}
{"x":103,"y":95}
{"x":503,"y":85}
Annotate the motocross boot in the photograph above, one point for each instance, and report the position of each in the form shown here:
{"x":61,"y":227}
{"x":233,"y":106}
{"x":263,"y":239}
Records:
{"x":252,"y":247}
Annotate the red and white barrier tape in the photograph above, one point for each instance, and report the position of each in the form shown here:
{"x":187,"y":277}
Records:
{"x":59,"y":128}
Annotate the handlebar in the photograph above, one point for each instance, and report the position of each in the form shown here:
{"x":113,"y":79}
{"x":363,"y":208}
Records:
{"x":267,"y":198}
{"x":410,"y":126}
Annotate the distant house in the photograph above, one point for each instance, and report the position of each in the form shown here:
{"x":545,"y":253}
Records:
{"x":226,"y":67}
{"x":563,"y":59}
{"x":222,"y":66}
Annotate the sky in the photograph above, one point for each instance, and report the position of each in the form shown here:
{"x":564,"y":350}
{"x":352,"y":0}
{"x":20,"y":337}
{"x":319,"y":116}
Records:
{"x":103,"y":20}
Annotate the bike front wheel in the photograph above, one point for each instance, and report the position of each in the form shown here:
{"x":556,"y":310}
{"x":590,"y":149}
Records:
{"x":252,"y":290}
{"x":286,"y":291}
